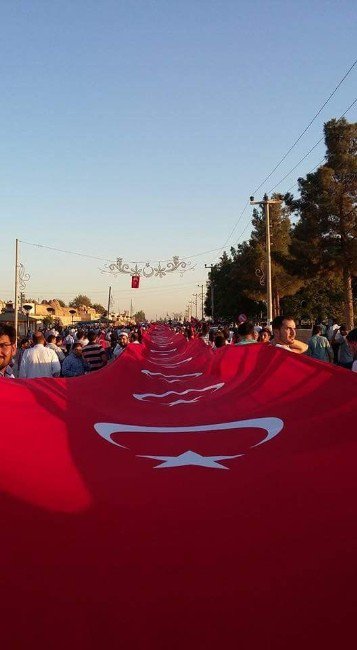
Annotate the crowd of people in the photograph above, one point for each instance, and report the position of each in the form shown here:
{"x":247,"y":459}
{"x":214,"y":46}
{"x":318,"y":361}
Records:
{"x":73,"y":352}
{"x":70,"y":352}
{"x":329,"y":342}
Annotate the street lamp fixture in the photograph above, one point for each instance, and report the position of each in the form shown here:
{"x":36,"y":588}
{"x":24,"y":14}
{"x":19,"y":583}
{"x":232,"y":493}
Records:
{"x":72,"y":312}
{"x":27,"y":309}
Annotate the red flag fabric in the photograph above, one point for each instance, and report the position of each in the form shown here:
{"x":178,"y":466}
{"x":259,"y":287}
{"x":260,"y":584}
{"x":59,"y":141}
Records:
{"x":135,"y":281}
{"x":180,"y":498}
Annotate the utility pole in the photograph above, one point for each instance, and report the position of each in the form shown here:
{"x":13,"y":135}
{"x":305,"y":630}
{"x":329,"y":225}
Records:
{"x":109,"y":301}
{"x":201,"y":287}
{"x":16,"y":301}
{"x":266,"y":202}
{"x":211,"y":266}
{"x":195,"y":295}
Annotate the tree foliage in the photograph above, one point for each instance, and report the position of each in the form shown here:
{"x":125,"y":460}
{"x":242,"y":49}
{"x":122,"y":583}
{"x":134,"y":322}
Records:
{"x":139,"y":316}
{"x":325,"y":238}
{"x":99,"y":308}
{"x":314,"y":262}
{"x":81,"y":301}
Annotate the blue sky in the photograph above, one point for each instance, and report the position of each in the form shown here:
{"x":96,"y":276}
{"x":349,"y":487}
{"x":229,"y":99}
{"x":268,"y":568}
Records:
{"x":139,"y":129}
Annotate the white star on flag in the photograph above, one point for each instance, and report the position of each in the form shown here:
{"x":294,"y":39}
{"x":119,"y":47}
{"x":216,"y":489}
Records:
{"x":191,"y":458}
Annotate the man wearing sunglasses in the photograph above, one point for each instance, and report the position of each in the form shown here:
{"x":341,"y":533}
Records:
{"x":7,"y":349}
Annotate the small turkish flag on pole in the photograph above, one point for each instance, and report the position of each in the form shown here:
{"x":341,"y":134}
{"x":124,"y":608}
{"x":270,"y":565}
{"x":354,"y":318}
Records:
{"x":135,"y":281}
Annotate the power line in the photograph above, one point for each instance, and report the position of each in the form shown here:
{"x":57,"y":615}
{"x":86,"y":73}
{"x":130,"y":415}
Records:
{"x":106,"y":259}
{"x":61,"y":250}
{"x":310,"y":150}
{"x":307,"y":127}
{"x":293,"y":169}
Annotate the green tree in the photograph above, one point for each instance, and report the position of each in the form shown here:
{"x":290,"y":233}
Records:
{"x":253,"y":260}
{"x":80,"y":301}
{"x":48,"y":321}
{"x":139,"y":316}
{"x":325,"y":238}
{"x":230,"y":298}
{"x":316,"y":300}
{"x":99,"y":308}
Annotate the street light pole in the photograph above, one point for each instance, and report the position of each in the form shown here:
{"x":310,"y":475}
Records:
{"x":201,"y":287}
{"x":16,"y":301}
{"x":195,"y":295}
{"x":266,"y":203}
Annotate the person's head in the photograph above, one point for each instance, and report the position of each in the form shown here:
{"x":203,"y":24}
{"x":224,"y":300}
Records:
{"x":351,"y":339}
{"x":264,"y":335}
{"x":134,"y":337}
{"x":219,"y":340}
{"x":38,"y":338}
{"x":51,"y":338}
{"x":123,"y":339}
{"x":92,"y":336}
{"x":77,"y":349}
{"x":317,"y":329}
{"x":24,"y":344}
{"x":343,"y":330}
{"x":205,"y":328}
{"x":80,"y":335}
{"x":7,"y":345}
{"x":284,"y":330}
{"x":246,"y":330}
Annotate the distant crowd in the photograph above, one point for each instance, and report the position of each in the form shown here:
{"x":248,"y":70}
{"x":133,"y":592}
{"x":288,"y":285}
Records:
{"x":69,"y":352}
{"x":73,"y":352}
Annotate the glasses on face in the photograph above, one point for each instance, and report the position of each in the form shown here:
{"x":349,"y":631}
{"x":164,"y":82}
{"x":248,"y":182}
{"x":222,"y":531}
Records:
{"x":3,"y":346}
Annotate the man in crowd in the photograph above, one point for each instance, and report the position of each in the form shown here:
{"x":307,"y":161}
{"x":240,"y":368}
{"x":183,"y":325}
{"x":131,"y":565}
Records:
{"x":74,"y":365}
{"x":39,"y":361}
{"x":319,"y":346}
{"x":81,"y":338}
{"x":247,"y":333}
{"x":7,"y":349}
{"x":284,"y":331}
{"x":51,"y":343}
{"x":93,"y":353}
{"x":123,"y":340}
{"x":351,"y":339}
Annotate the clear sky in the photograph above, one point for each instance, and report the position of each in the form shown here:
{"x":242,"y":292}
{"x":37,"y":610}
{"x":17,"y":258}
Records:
{"x":138,"y":129}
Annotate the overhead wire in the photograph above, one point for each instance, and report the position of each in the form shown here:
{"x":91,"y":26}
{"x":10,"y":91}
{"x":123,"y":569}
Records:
{"x":106,"y":259}
{"x":310,"y":151}
{"x":291,"y":170}
{"x":307,"y":127}
{"x":220,"y":249}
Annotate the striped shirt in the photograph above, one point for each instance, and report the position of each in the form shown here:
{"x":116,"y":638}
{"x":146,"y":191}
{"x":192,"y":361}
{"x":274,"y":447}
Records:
{"x":95,"y":356}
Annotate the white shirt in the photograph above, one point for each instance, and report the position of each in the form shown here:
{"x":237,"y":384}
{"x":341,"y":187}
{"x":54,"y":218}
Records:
{"x":354,"y":366}
{"x":39,"y":361}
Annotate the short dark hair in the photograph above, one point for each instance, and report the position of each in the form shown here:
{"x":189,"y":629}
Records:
{"x":219,"y":340}
{"x":352,"y":336}
{"x":278,"y":321}
{"x":246,"y":328}
{"x":76,"y":345}
{"x":8,"y":330}
{"x":51,"y":338}
{"x":317,"y":329}
{"x":37,"y":337}
{"x":92,"y":336}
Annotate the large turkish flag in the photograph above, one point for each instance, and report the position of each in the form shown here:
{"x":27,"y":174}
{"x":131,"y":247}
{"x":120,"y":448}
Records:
{"x":180,"y":498}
